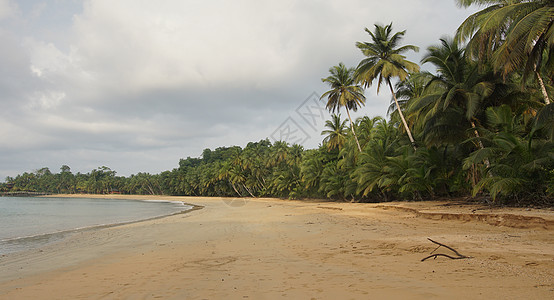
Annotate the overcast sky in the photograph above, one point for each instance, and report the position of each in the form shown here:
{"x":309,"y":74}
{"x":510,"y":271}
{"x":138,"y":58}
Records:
{"x":137,"y":85}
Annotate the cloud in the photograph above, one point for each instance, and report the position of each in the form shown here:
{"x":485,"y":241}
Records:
{"x":7,"y":9}
{"x":186,"y":44}
{"x":136,"y":85}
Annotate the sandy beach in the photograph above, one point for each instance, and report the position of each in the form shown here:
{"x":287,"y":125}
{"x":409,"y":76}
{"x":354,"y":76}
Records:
{"x":280,"y":249}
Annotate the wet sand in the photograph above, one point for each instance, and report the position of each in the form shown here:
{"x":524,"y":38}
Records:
{"x":279,"y":249}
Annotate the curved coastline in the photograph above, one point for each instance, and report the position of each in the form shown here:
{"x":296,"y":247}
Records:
{"x":43,"y":239}
{"x":272,"y":248}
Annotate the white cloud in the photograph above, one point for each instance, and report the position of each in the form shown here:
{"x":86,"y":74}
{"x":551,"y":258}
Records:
{"x":129,"y":47}
{"x":151,"y":45}
{"x":154,"y":81}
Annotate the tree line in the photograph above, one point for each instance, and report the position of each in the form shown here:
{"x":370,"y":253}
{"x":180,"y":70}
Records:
{"x":481,"y":124}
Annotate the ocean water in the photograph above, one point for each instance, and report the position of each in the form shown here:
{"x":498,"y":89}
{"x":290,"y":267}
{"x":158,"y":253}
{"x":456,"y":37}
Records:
{"x":30,"y":222}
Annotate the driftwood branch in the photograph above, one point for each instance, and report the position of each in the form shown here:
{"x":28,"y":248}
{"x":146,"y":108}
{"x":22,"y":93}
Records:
{"x":458,"y":255}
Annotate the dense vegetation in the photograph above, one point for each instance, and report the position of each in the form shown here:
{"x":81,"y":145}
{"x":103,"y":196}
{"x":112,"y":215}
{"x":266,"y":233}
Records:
{"x":481,"y":124}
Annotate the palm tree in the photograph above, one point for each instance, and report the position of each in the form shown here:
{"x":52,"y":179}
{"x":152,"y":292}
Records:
{"x":312,"y":168}
{"x":457,"y":96}
{"x":232,"y":173}
{"x":285,"y":161}
{"x":516,"y":34}
{"x":411,"y":88}
{"x":344,"y":92}
{"x":254,"y":158}
{"x":279,"y":154}
{"x":369,"y":173}
{"x":365,"y":126}
{"x":336,"y":134}
{"x":414,"y":87}
{"x":519,"y":165}
{"x":385,"y":60}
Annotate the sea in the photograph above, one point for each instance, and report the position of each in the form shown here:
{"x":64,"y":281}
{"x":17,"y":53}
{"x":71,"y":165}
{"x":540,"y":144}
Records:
{"x":28,"y":223}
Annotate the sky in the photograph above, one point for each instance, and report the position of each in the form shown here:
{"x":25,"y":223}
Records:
{"x":137,"y":85}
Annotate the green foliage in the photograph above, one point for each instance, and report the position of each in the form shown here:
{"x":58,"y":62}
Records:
{"x":344,"y":92}
{"x":520,"y":165}
{"x":515,"y":36}
{"x":335,"y":136}
{"x":550,"y":186}
{"x":384,"y":60}
{"x":487,"y":127}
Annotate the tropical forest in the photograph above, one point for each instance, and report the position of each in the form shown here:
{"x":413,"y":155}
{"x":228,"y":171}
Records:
{"x":479,"y":126}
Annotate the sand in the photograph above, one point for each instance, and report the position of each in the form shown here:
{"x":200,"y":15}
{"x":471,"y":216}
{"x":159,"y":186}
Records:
{"x":279,"y":249}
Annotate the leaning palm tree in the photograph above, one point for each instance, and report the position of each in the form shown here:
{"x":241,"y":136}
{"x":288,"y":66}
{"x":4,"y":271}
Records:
{"x":344,"y":92}
{"x":515,"y":34}
{"x":411,"y":88}
{"x":414,"y":87}
{"x":384,"y":61}
{"x":335,"y":135}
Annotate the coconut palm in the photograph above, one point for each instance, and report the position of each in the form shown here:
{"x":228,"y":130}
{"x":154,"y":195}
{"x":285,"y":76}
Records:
{"x":411,"y":88}
{"x":312,"y":167}
{"x":454,"y":97}
{"x":385,"y":61}
{"x":520,"y":165}
{"x":365,"y":127}
{"x":278,"y":154}
{"x":335,"y":136}
{"x":369,"y":174}
{"x":414,"y":87}
{"x":344,"y":92}
{"x":254,"y":158}
{"x":515,"y":34}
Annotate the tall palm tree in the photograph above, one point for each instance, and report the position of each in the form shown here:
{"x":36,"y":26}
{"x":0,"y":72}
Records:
{"x":454,"y":97}
{"x":453,"y":107}
{"x":411,"y":88}
{"x":384,"y":61}
{"x":344,"y":92}
{"x":336,"y":134}
{"x":516,"y":34}
{"x":414,"y":87}
{"x":460,"y":88}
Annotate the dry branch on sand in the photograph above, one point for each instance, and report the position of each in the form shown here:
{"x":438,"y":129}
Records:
{"x":458,"y":255}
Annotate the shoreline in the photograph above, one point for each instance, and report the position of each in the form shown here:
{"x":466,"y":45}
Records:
{"x":56,"y":236}
{"x":271,"y":248}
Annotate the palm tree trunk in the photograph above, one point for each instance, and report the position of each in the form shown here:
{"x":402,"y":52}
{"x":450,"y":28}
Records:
{"x":487,"y":162}
{"x":543,"y":88}
{"x":150,"y":189}
{"x":402,"y":116}
{"x":260,"y":182}
{"x":352,"y":127}
{"x":249,"y":192}
{"x":234,"y":188}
